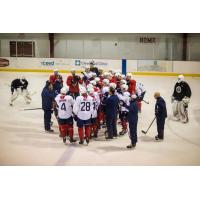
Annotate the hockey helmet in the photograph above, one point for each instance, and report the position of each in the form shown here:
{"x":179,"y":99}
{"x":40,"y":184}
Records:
{"x":113,"y":85}
{"x":64,"y":90}
{"x":180,"y":78}
{"x":97,"y":79}
{"x":93,"y":82}
{"x":106,"y":81}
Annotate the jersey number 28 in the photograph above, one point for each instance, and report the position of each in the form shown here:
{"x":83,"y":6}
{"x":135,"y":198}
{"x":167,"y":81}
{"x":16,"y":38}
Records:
{"x":85,"y":106}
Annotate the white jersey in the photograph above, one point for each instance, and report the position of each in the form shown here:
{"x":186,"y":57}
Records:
{"x":126,"y":98}
{"x":105,"y":89}
{"x":88,"y":75}
{"x":65,"y":104}
{"x":95,"y":104}
{"x":139,"y":88}
{"x":83,"y":107}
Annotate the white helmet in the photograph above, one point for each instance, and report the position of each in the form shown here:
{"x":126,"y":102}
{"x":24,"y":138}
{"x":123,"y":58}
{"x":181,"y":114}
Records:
{"x":118,"y":74}
{"x":128,"y":75}
{"x":106,"y":81}
{"x":55,"y":70}
{"x":107,"y":74}
{"x":180,"y":78}
{"x":90,"y":90}
{"x":83,"y":90}
{"x":113,"y":85}
{"x":111,"y":71}
{"x":93,"y":82}
{"x":124,"y":87}
{"x":122,"y":82}
{"x":94,"y":74}
{"x":97,"y":79}
{"x":89,"y":85}
{"x":64,"y":90}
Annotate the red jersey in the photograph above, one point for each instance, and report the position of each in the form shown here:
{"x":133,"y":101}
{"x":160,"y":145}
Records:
{"x":53,"y":78}
{"x":132,"y":86}
{"x":73,"y":83}
{"x":113,"y":80}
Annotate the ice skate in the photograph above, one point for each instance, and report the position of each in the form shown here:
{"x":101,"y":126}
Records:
{"x":130,"y":146}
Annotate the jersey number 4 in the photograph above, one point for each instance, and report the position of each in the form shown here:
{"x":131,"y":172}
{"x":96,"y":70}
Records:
{"x":63,"y":107}
{"x":85,"y":106}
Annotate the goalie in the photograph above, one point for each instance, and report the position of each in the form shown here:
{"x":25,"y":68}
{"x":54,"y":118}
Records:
{"x":19,"y":87}
{"x":180,"y":100}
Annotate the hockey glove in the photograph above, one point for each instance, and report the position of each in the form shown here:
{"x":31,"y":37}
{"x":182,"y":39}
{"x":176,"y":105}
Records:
{"x":186,"y":101}
{"x":122,"y":103}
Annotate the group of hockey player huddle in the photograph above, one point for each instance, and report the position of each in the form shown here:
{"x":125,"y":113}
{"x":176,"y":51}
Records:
{"x":97,"y":99}
{"x":94,"y":100}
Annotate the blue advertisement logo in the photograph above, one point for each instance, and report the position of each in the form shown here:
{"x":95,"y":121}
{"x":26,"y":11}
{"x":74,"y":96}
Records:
{"x":77,"y":62}
{"x":46,"y":63}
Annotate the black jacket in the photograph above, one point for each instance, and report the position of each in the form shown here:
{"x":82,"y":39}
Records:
{"x":16,"y":83}
{"x":47,"y":98}
{"x":160,"y":108}
{"x":181,"y":90}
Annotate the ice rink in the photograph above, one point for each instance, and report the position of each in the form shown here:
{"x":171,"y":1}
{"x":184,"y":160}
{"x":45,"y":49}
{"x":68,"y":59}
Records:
{"x":24,"y":142}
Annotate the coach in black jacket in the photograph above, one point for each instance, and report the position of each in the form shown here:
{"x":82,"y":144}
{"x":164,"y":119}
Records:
{"x":161,"y":114}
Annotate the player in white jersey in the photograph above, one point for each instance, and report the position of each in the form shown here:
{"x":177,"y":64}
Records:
{"x":83,"y":110}
{"x":64,"y":106}
{"x":140,"y":92}
{"x":95,"y":104}
{"x":125,"y":97}
{"x":104,"y":96}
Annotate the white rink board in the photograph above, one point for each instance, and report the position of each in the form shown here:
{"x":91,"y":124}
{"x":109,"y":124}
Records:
{"x":186,"y":67}
{"x":61,"y":63}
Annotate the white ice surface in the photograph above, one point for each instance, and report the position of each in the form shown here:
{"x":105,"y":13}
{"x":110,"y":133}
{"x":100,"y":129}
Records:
{"x":24,"y":142}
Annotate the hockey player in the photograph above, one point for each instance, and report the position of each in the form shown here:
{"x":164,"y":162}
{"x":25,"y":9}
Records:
{"x":98,"y":83}
{"x":87,"y":75}
{"x":93,"y":83}
{"x":83,"y":110}
{"x":180,"y":99}
{"x":19,"y":86}
{"x":98,"y":88}
{"x":132,"y":119}
{"x":131,"y":83}
{"x":73,"y":82}
{"x":55,"y":76}
{"x":100,"y":75}
{"x":65,"y":120}
{"x":104,"y":96}
{"x":111,"y":106}
{"x":93,"y":68}
{"x":118,"y":79}
{"x":58,"y":84}
{"x":47,"y":105}
{"x":161,"y":114}
{"x":140,"y":92}
{"x":95,"y":104}
{"x":125,"y":97}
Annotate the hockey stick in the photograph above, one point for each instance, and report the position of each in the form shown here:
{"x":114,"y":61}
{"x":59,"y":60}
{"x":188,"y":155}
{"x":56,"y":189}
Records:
{"x":32,"y":109}
{"x":145,"y":132}
{"x":147,"y":102}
